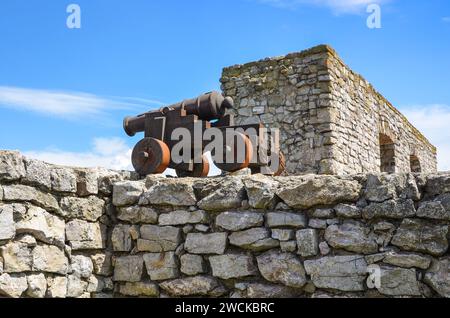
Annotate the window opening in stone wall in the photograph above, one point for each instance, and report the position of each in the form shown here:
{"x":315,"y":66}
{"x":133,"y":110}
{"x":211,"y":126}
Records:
{"x":415,"y":164}
{"x":387,"y":154}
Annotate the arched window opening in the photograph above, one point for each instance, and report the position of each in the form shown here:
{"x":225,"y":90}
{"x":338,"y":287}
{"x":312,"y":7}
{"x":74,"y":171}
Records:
{"x":415,"y":164}
{"x":387,"y":154}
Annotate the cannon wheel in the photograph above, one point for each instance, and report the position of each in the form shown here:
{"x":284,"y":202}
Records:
{"x":200,"y":170}
{"x":236,"y":166}
{"x":150,"y":156}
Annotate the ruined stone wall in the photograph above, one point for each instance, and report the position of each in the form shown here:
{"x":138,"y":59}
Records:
{"x":68,"y":232}
{"x":359,"y":114}
{"x":330,"y":118}
{"x":290,"y":93}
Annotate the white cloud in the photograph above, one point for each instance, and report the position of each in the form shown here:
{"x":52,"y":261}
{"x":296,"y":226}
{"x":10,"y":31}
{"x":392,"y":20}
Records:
{"x":66,"y":104}
{"x":446,"y":19}
{"x":433,"y":121}
{"x":337,"y":6}
{"x":112,"y":153}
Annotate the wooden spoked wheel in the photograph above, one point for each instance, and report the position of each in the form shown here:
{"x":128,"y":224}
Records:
{"x":240,"y":157}
{"x":195,"y":170}
{"x":281,"y":169}
{"x":150,"y":156}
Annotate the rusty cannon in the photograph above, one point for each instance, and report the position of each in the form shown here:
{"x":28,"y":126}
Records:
{"x":205,"y":126}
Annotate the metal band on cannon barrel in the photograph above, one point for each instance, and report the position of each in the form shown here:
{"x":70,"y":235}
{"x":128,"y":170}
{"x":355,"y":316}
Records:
{"x":208,"y":107}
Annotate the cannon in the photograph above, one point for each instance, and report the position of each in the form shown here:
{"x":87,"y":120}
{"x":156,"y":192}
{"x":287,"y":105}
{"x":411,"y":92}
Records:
{"x":247,"y":147}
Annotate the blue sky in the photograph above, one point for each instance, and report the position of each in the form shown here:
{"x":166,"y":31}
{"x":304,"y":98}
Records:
{"x":64,"y":92}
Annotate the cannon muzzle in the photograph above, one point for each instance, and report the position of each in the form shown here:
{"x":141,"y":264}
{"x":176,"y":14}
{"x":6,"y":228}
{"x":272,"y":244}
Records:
{"x":209,"y":106}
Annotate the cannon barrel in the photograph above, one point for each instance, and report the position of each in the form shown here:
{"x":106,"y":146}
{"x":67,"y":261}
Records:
{"x":209,"y":106}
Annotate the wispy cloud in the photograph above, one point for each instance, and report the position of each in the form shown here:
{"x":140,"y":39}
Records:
{"x":446,"y":19}
{"x":112,"y":153}
{"x":433,"y":121}
{"x":337,"y":6}
{"x":67,"y":104}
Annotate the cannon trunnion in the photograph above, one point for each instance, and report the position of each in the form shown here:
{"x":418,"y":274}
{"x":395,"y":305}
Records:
{"x":244,"y":148}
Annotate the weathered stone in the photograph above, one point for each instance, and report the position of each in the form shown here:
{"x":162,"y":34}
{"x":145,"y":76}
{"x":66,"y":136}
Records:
{"x":50,"y":259}
{"x":433,"y":210}
{"x":323,"y":213}
{"x":64,"y":180}
{"x":11,"y":166}
{"x":238,"y":221}
{"x":399,"y":282}
{"x":87,"y":182}
{"x":38,"y":173}
{"x":258,"y":290}
{"x":170,"y":192}
{"x":97,"y":284}
{"x":17,"y":257}
{"x":183,"y":217}
{"x":214,"y":243}
{"x":282,"y":268}
{"x":88,"y":209}
{"x":352,"y":237}
{"x":438,"y":277}
{"x":7,"y":230}
{"x":57,"y":287}
{"x":128,"y":269}
{"x":83,"y":235}
{"x":288,"y":247}
{"x":76,"y":287}
{"x":193,"y":286}
{"x":161,"y":266}
{"x":22,"y":193}
{"x":102,"y":264}
{"x":407,"y":260}
{"x":385,"y":187}
{"x":390,"y":209}
{"x":318,"y":190}
{"x":192,"y":264}
{"x":157,"y":239}
{"x":421,"y":236}
{"x":347,"y":211}
{"x":42,"y":225}
{"x":436,"y":184}
{"x":121,"y":238}
{"x":318,"y":224}
{"x":307,"y":242}
{"x":37,"y":285}
{"x":260,"y":191}
{"x":256,"y":239}
{"x":127,"y":192}
{"x":345,"y":273}
{"x":81,"y":266}
{"x":13,"y":285}
{"x":227,"y":196}
{"x":139,"y":289}
{"x":324,"y":248}
{"x":284,"y":219}
{"x":283,"y":235}
{"x":232,"y":266}
{"x":137,"y":214}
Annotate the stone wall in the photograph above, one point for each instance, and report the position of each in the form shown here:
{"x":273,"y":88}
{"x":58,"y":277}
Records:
{"x":331,"y":120}
{"x":67,"y":232}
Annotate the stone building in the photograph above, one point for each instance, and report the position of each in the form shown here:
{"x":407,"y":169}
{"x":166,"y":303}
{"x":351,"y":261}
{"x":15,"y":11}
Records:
{"x":331,"y":120}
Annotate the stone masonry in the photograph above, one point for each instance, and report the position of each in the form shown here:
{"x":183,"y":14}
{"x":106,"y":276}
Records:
{"x":95,"y":233}
{"x":331,"y":120}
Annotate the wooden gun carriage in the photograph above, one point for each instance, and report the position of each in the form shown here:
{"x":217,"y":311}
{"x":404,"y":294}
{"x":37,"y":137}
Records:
{"x":153,"y":154}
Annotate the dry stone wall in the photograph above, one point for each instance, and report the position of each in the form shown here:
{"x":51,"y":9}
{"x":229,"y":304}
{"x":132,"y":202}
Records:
{"x":67,"y":232}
